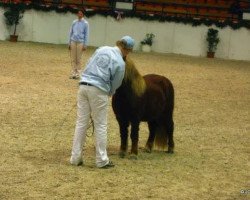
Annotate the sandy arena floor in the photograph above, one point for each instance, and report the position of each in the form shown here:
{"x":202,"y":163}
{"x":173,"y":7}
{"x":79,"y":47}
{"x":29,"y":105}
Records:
{"x":38,"y":113}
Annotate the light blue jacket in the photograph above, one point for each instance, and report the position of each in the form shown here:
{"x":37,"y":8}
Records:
{"x":79,"y":32}
{"x":105,"y":69}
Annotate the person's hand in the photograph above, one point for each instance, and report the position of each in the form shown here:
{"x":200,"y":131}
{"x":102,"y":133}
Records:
{"x":69,"y":47}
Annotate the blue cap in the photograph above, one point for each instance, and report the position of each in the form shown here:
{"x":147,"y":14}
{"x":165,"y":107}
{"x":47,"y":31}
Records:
{"x":128,"y":41}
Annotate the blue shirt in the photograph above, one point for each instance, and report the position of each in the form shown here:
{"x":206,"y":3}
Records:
{"x":79,"y":31}
{"x":105,"y":69}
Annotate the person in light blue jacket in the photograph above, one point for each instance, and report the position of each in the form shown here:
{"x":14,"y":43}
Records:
{"x":78,"y":41}
{"x":101,"y":77}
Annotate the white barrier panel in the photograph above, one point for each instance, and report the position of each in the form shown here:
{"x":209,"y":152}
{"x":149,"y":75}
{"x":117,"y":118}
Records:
{"x":52,"y":27}
{"x":246,"y":16}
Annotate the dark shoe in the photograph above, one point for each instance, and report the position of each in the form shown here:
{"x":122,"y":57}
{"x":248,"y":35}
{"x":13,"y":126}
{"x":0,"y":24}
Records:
{"x":109,"y":165}
{"x":72,"y":77}
{"x":77,"y":76}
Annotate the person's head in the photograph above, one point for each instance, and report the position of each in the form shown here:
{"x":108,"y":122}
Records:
{"x":126,"y":45}
{"x":80,"y":14}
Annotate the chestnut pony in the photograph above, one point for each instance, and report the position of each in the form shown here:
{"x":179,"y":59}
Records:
{"x":148,"y":98}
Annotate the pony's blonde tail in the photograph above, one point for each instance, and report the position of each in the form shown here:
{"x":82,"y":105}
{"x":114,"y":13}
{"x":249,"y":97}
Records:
{"x":132,"y":75}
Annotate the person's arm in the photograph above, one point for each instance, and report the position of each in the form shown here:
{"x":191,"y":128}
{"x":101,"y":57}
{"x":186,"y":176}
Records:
{"x":86,"y":35}
{"x":116,"y":81}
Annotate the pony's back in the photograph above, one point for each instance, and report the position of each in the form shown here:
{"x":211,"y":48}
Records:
{"x":160,"y":88}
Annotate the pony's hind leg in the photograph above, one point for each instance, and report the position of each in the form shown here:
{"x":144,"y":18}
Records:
{"x":134,"y":138}
{"x":151,"y":137}
{"x":124,"y":137}
{"x":170,"y":132}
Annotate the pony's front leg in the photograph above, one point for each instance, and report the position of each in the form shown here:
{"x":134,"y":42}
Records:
{"x":124,"y":137}
{"x":134,"y":138}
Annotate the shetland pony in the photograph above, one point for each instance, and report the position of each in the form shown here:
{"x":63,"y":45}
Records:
{"x":150,"y":99}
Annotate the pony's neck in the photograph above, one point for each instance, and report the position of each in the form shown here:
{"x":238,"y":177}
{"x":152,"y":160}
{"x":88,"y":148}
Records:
{"x":134,"y":79}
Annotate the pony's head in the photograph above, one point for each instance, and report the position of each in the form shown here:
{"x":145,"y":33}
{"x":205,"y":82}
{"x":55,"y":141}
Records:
{"x":133,"y":77}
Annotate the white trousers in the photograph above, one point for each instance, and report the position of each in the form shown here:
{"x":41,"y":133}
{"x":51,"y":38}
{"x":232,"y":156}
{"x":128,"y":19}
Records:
{"x":76,"y":56}
{"x":91,"y":101}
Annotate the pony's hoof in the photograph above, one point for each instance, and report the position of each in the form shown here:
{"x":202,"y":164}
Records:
{"x":149,"y":147}
{"x":148,"y":150}
{"x":133,"y":157}
{"x":170,"y":151}
{"x":122,"y":154}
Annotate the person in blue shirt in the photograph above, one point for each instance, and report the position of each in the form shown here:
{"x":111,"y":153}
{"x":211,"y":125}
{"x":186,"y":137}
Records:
{"x":78,"y":40}
{"x":101,"y":77}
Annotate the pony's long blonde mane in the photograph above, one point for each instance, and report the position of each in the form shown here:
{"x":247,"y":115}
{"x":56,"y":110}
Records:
{"x":132,"y":75}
